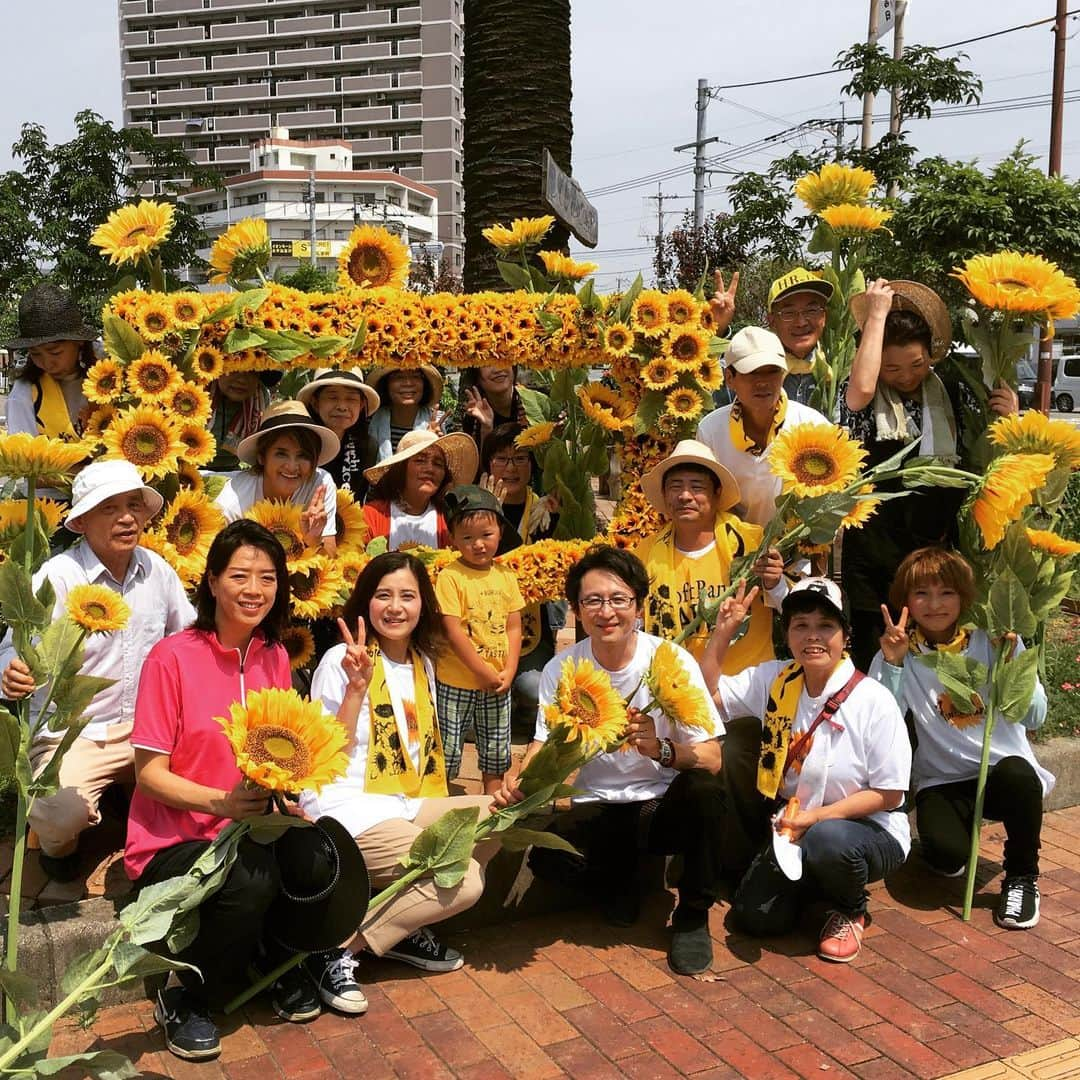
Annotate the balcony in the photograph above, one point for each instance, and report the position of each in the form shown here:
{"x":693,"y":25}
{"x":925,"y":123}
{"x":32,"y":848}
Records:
{"x":188,"y":65}
{"x":285,"y":57}
{"x":372,"y":115}
{"x":236,"y":62}
{"x":233,"y":31}
{"x":375,"y":50}
{"x":303,"y":25}
{"x":191,"y":96}
{"x":360,"y":19}
{"x":179,"y":35}
{"x":248,"y":92}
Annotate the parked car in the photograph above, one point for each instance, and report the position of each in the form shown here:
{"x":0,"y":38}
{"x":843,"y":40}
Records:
{"x":1026,"y":377}
{"x":1065,"y":392}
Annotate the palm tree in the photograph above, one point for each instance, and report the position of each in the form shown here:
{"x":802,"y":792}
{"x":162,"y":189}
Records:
{"x":517,"y":102}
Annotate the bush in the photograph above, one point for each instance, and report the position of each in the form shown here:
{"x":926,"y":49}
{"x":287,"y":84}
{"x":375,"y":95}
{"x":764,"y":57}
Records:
{"x":1062,"y":676}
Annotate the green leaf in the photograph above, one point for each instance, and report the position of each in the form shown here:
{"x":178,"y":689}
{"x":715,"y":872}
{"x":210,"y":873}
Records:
{"x":823,"y":239}
{"x":446,"y":841}
{"x":587,"y":297}
{"x":961,"y":676}
{"x":556,"y":464}
{"x":242,"y":337}
{"x":19,"y":987}
{"x":269,"y":827}
{"x":250,"y":299}
{"x":39,"y":546}
{"x":60,"y":650}
{"x":46,"y":594}
{"x":538,"y":408}
{"x":627,"y":302}
{"x":72,"y":696}
{"x":1014,"y":685}
{"x":356,"y":342}
{"x":102,"y":1064}
{"x":1009,"y":608}
{"x":80,"y":969}
{"x":121,"y":341}
{"x":18,"y":605}
{"x":135,"y":962}
{"x":648,"y":412}
{"x":549,"y":321}
{"x":515,"y":839}
{"x":515,"y":275}
{"x":10,"y":734}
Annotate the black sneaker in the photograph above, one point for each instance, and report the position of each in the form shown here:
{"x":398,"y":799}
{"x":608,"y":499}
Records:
{"x":1018,"y":908}
{"x":332,"y":974}
{"x":189,"y":1032}
{"x":423,"y":949}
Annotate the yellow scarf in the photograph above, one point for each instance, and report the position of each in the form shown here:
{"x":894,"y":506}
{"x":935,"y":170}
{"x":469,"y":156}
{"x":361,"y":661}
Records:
{"x":917,"y":643}
{"x":776,"y":727}
{"x":803,"y":365}
{"x":530,"y":615}
{"x":51,"y":411}
{"x":389,"y":769}
{"x":741,"y":441}
{"x":665,"y":615}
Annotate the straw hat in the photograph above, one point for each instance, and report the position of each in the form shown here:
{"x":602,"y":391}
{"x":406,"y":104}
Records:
{"x":351,"y":379}
{"x":911,"y":296}
{"x":46,"y":314}
{"x":689,"y":452}
{"x":431,"y":377}
{"x":461,"y":456}
{"x":282,"y":416}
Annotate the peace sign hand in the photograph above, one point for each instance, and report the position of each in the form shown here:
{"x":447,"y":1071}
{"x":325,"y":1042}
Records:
{"x":894,"y":642}
{"x":313,"y":519}
{"x":356,"y":663}
{"x":722,"y":302}
{"x":479,"y":408}
{"x":734,"y":609}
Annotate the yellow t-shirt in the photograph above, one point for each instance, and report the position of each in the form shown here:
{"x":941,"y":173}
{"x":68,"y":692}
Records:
{"x":482,"y":600}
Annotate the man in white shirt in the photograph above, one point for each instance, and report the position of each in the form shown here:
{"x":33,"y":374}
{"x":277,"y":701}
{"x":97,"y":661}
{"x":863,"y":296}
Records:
{"x":111,"y":506}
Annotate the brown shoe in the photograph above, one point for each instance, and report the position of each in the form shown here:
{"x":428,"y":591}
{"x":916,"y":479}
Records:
{"x":841,"y":937}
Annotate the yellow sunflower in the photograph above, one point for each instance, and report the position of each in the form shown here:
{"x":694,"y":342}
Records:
{"x":187,"y":309}
{"x":523,"y":232}
{"x":299,"y":644}
{"x":683,"y":308}
{"x":48,"y":460}
{"x":190,"y":403}
{"x":649,"y":312}
{"x":13,"y":516}
{"x":1035,"y":433}
{"x":188,"y":474}
{"x":240,"y":250}
{"x":1020,"y":284}
{"x":284,"y":521}
{"x":284,"y":743}
{"x":153,"y":317}
{"x":586,"y":707}
{"x":133,"y":231}
{"x":849,"y":220}
{"x":199,"y":445}
{"x":659,"y":373}
{"x":835,"y":185}
{"x":191,"y":523}
{"x":680,"y":700}
{"x":153,"y":377}
{"x":709,"y":373}
{"x":208,"y":363}
{"x":561,"y":266}
{"x":373,"y":258}
{"x":316,"y":588}
{"x":536,"y":435}
{"x":606,"y":408}
{"x":688,"y":348}
{"x":618,"y":339}
{"x":860,"y":514}
{"x":815,"y":459}
{"x":103,"y":382}
{"x":351,"y":564}
{"x":97,"y":609}
{"x":99,"y":418}
{"x":352,"y":530}
{"x":1007,"y":489}
{"x":147,"y":438}
{"x":684,"y":403}
{"x":1052,"y":544}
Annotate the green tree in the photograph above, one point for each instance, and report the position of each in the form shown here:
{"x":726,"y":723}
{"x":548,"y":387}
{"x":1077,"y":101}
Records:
{"x":308,"y":278}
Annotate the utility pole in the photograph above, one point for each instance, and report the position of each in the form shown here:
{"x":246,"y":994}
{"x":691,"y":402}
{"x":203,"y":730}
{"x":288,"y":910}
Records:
{"x":661,"y":263}
{"x":894,"y":104}
{"x":699,"y":144}
{"x":311,"y":215}
{"x":868,"y":99}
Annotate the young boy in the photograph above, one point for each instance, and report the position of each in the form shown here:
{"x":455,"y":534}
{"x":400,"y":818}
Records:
{"x":481,"y":606}
{"x":932,"y":588}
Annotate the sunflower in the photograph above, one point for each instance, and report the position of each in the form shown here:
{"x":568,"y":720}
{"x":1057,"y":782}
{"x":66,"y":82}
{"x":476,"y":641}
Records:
{"x":351,"y":564}
{"x":153,"y":318}
{"x":659,"y":373}
{"x":560,"y":266}
{"x":536,"y":435}
{"x":147,"y":438}
{"x":13,"y":516}
{"x":605,"y":407}
{"x":688,"y":348}
{"x":98,"y":419}
{"x":709,"y":373}
{"x":1035,"y":433}
{"x":680,"y":700}
{"x":683,"y":308}
{"x":618,"y":339}
{"x":351,"y":527}
{"x":835,"y":185}
{"x":242,"y":249}
{"x":299,"y":644}
{"x":103,"y":382}
{"x":815,"y":459}
{"x":1008,"y":487}
{"x":153,"y":377}
{"x":649,"y":312}
{"x":284,"y":743}
{"x":191,"y":403}
{"x":860,"y":514}
{"x":187,"y":474}
{"x":373,"y":258}
{"x":199,"y":445}
{"x":97,"y":609}
{"x":315,"y":587}
{"x":850,"y":220}
{"x":133,"y":231}
{"x":208,"y":363}
{"x":191,"y":523}
{"x":284,"y":521}
{"x":48,"y":460}
{"x":684,"y":403}
{"x":523,"y":232}
{"x":1052,"y":544}
{"x":1020,"y":284}
{"x":187,"y":309}
{"x":586,"y":707}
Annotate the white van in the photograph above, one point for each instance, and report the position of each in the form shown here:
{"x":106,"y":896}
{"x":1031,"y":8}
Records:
{"x":1065,"y":393}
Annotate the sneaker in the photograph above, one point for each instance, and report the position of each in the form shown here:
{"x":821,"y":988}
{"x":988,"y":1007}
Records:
{"x":189,"y":1032}
{"x":423,"y":949}
{"x":1018,"y":908}
{"x":958,"y":872}
{"x":841,"y":937}
{"x":332,"y":974}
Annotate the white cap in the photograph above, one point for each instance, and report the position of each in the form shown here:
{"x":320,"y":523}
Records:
{"x":102,"y":480}
{"x":825,"y":588}
{"x":754,"y":347}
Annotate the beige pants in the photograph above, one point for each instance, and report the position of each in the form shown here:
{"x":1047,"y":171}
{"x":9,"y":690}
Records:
{"x":88,"y":768}
{"x":423,"y":902}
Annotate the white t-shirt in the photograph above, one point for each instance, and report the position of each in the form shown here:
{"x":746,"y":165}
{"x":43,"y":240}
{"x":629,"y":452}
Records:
{"x":625,"y":776}
{"x":406,"y":528}
{"x":758,"y":487}
{"x":865,"y":744}
{"x":245,"y":488}
{"x":945,"y":753}
{"x":345,"y":799}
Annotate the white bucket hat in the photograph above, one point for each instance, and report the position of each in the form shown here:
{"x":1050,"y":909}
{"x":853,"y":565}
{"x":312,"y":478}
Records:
{"x":349,"y":379}
{"x":102,"y":480}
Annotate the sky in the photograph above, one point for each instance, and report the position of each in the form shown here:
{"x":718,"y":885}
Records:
{"x":635,"y":69}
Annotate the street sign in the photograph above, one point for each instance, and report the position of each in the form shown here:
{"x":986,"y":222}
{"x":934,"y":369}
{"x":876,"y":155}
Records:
{"x":563,"y":194}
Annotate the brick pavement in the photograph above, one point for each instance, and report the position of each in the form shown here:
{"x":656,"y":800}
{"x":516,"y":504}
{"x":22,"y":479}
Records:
{"x":565,"y":995}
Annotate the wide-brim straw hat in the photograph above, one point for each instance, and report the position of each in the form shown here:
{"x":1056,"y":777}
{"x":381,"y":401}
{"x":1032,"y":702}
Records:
{"x":911,"y":296}
{"x":462,"y":458}
{"x":690,"y":452}
{"x":286,"y":416}
{"x":431,"y":377}
{"x":47,"y":313}
{"x":350,"y":379}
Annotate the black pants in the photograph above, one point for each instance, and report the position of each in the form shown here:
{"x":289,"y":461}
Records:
{"x":686,"y":821}
{"x":746,"y":827}
{"x":230,"y":922}
{"x":945,"y":814}
{"x":866,"y":630}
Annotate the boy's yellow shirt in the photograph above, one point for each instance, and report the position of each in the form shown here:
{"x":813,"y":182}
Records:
{"x":483,"y":600}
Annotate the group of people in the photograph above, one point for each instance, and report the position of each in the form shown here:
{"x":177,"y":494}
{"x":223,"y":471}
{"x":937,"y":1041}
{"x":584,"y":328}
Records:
{"x":827,"y":749}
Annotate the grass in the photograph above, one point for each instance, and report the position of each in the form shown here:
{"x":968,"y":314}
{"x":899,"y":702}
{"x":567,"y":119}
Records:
{"x":1062,"y":676}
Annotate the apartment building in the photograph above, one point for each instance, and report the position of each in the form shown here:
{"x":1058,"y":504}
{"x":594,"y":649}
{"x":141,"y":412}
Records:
{"x":382,"y":76}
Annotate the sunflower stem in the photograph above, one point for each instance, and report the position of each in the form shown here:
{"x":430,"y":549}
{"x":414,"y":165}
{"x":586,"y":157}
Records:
{"x":262,"y":983}
{"x":11,"y":945}
{"x":30,"y":524}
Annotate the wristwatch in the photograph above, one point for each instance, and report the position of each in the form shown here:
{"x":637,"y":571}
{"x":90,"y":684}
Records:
{"x":667,"y":754}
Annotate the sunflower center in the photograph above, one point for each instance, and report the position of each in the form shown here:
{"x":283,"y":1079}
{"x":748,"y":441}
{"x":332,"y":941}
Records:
{"x":584,"y":707}
{"x":369,"y":264}
{"x":133,"y":234}
{"x":153,"y":378}
{"x":94,"y":609}
{"x":144,"y":446}
{"x":278,"y":746}
{"x":814,"y":467}
{"x":685,"y":348}
{"x":156,"y":321}
{"x":183,"y":532}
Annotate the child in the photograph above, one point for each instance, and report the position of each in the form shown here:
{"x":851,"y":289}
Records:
{"x":933,"y":587}
{"x":481,"y":606}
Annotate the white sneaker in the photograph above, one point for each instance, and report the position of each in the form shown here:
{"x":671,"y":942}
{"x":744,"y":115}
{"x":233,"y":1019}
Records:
{"x":332,"y":974}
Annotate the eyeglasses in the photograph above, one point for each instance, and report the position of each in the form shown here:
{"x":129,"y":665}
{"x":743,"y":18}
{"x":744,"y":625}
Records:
{"x":790,"y":315}
{"x":618,"y":602}
{"x":518,"y":460}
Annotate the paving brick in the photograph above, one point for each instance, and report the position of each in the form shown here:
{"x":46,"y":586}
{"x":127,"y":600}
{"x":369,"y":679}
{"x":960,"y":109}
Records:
{"x":827,"y":999}
{"x":991,"y":975}
{"x":240,"y":1041}
{"x":985,"y":1002}
{"x":768,"y":1032}
{"x":476,"y":1009}
{"x":882,"y":1068}
{"x":619,"y":996}
{"x":1035,"y":1030}
{"x":575,"y":960}
{"x":356,"y":1055}
{"x":689,"y":1011}
{"x":419,"y":1063}
{"x":988,"y":947}
{"x":1046,"y":978}
{"x":648,"y":1066}
{"x":581,"y":1060}
{"x":411,"y":997}
{"x":826,"y":1034}
{"x":904,"y":984}
{"x":1045,"y":1005}
{"x":677,"y":1046}
{"x":1052,"y":956}
{"x":606,"y":1031}
{"x":636,"y":969}
{"x":386,"y":1027}
{"x":907,"y":1051}
{"x":748,"y":1059}
{"x":519,"y":1054}
{"x":556,"y":987}
{"x":537,"y":1018}
{"x":486,"y":1070}
{"x":450,"y":1039}
{"x":294,"y":1050}
{"x":904,"y":954}
{"x":962,"y":1051}
{"x":253,"y":1068}
{"x":781,"y":968}
{"x":204,"y":1070}
{"x":771,"y":995}
{"x":901,"y":925}
{"x":810,"y":1063}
